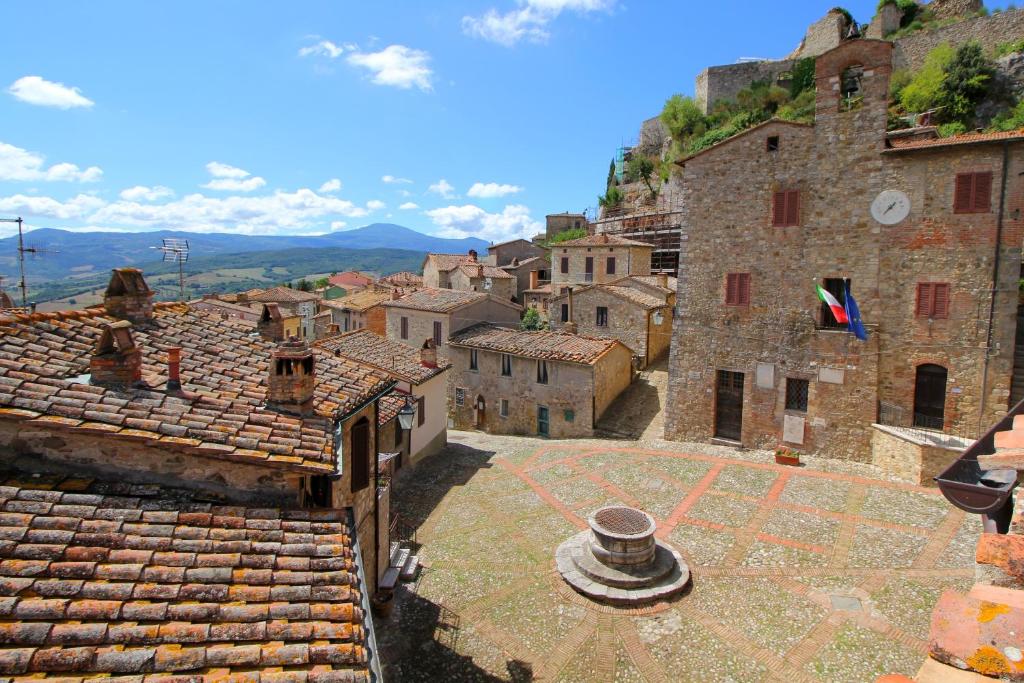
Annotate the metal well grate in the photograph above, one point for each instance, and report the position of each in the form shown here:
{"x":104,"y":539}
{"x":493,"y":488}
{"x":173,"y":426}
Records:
{"x":622,"y":520}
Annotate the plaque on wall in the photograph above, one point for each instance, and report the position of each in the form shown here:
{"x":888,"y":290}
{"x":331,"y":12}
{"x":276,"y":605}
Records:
{"x":793,"y":429}
{"x":831,"y":375}
{"x":765,"y":376}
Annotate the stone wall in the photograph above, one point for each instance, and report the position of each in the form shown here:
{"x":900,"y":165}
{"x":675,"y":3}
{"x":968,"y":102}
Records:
{"x":628,"y":261}
{"x":913,"y":460}
{"x":503,"y":288}
{"x":823,"y":35}
{"x":839,"y":166}
{"x":724,"y":82}
{"x":653,"y":137}
{"x":613,"y":372}
{"x":421,"y":323}
{"x":990,"y":31}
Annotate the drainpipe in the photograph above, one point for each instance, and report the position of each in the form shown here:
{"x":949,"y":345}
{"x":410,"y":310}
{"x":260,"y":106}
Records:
{"x":376,"y":495}
{"x":995,"y":286}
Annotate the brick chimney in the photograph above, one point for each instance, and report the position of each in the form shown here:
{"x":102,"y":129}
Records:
{"x":292,"y":377}
{"x":271,"y":323}
{"x":174,"y":368}
{"x":128,"y":297}
{"x":569,"y":327}
{"x":396,"y":294}
{"x":116,"y":361}
{"x":428,"y":354}
{"x":472,"y":255}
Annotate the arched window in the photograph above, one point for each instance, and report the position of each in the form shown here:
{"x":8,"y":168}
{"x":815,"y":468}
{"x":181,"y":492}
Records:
{"x":851,"y":93}
{"x":930,"y":396}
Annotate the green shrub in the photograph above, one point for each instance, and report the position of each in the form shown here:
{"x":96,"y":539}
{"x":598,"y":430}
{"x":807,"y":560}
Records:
{"x":610,"y":199}
{"x":968,"y":79}
{"x":567,"y":235}
{"x":925,"y":89}
{"x":899,"y":80}
{"x":532,"y":320}
{"x":803,"y":77}
{"x":801,"y":109}
{"x":1010,"y":119}
{"x":1004,"y":49}
{"x":683,"y":117}
{"x":947,"y":130}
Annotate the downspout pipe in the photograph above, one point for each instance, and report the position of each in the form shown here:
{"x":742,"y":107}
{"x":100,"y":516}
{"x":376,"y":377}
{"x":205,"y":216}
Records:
{"x":376,"y":494}
{"x":995,"y":285}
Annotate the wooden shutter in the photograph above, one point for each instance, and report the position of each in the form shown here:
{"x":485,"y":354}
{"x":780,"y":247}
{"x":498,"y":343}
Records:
{"x":421,"y":411}
{"x":779,"y":209}
{"x":793,"y":207}
{"x":963,"y":194}
{"x":731,"y":289}
{"x":924,"y":299}
{"x":405,"y":327}
{"x":437,"y":333}
{"x":981,"y":201}
{"x":744,"y":289}
{"x":611,"y":265}
{"x":565,"y":264}
{"x":360,"y":441}
{"x":940,"y":300}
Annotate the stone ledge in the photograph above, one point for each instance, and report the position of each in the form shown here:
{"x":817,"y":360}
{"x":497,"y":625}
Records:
{"x":1003,"y":551}
{"x":980,"y":632}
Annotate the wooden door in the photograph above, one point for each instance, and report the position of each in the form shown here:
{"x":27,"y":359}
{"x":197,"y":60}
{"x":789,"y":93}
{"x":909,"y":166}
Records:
{"x":543,"y":421}
{"x":729,"y":405}
{"x":360,"y":436}
{"x":930,"y":396}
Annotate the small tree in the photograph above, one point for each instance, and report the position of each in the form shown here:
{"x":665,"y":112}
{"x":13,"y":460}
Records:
{"x":322,"y":283}
{"x":610,"y":199}
{"x":683,"y":117}
{"x":304,"y":285}
{"x":611,"y":174}
{"x":532,"y":320}
{"x":642,"y":168}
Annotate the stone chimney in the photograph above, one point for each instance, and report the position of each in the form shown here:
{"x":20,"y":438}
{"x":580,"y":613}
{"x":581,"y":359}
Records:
{"x":569,"y":327}
{"x":174,"y":368}
{"x":479,"y":271}
{"x":271,"y":323}
{"x":116,"y":361}
{"x":428,"y":354}
{"x":396,"y":294}
{"x":241,"y":297}
{"x":472,"y":255}
{"x":128,"y":297}
{"x":292,"y":377}
{"x":663,"y":280}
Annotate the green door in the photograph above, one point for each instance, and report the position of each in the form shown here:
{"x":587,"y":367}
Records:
{"x":543,"y":421}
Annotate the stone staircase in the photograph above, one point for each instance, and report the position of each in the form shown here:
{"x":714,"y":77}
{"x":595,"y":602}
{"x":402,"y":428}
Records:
{"x":404,"y":566}
{"x":980,"y":636}
{"x":638,"y":412}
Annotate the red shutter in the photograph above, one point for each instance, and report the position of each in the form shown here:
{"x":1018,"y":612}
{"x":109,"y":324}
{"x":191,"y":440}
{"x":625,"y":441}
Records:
{"x":793,"y":207}
{"x":732,"y":289}
{"x":940,"y":297}
{"x":924,"y":299}
{"x":963,"y":195}
{"x":982,"y":199}
{"x":779,"y":209}
{"x":744,"y":289}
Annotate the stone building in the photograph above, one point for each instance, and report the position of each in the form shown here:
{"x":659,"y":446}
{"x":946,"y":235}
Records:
{"x":437,"y":314}
{"x":362,"y":310}
{"x":934,"y":267}
{"x":597,"y":259}
{"x":159,"y":438}
{"x":422,"y":377}
{"x":403,"y":280}
{"x":534,"y":383}
{"x":560,"y":222}
{"x":504,"y":253}
{"x":226,"y":309}
{"x":636,"y":310}
{"x":291,"y":301}
{"x":351,"y":281}
{"x":437,"y":268}
{"x":530,"y":274}
{"x":478,"y":277}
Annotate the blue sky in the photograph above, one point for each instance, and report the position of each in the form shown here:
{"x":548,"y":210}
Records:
{"x":478,"y":117}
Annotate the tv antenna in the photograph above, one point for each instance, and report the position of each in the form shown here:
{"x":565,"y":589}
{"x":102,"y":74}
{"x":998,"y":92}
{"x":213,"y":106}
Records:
{"x":175,"y":249}
{"x":22,"y":250}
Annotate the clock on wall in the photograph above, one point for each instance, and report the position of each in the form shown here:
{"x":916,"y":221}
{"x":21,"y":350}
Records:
{"x":890,"y":207}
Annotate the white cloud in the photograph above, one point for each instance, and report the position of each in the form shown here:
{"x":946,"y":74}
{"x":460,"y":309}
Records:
{"x":393,"y":180}
{"x":375,"y":205}
{"x":150,"y":194}
{"x":443,"y":188}
{"x":325,"y":48}
{"x":231,"y":178}
{"x":20,"y":164}
{"x":408,"y":206}
{"x":528,"y":22}
{"x":489,"y":190}
{"x":338,"y":225}
{"x":44,"y":93}
{"x":470,"y":220}
{"x":396,"y":65}
{"x":332,"y":185}
{"x":47,"y":207}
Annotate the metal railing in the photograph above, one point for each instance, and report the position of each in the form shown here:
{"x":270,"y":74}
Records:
{"x":920,"y":426}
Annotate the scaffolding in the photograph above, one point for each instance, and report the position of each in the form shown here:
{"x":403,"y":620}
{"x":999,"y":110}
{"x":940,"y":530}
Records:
{"x":662,"y":230}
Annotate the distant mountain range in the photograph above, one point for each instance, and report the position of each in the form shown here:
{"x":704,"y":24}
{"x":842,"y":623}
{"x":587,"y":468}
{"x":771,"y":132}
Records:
{"x":66,"y":254}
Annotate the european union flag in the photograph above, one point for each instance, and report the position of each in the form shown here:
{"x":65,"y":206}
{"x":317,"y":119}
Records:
{"x":855,"y":324}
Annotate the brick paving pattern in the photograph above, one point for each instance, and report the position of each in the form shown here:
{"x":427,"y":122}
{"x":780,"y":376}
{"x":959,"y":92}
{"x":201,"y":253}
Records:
{"x":818,"y":573}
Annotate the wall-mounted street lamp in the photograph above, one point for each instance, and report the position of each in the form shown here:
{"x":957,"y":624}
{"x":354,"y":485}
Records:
{"x":407,"y":413}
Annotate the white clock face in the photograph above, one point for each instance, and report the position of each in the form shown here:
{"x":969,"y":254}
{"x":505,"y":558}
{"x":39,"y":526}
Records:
{"x":890,"y":207}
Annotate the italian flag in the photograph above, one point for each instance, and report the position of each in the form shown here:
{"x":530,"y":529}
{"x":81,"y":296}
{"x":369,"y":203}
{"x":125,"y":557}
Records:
{"x":837,"y":309}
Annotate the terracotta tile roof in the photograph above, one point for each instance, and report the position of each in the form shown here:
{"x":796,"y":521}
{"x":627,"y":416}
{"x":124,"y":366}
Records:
{"x":360,"y":301}
{"x":448,"y":262}
{"x":437,"y":300}
{"x":652,"y":280}
{"x":602,"y":239}
{"x":543,"y":289}
{"x":404,"y":279}
{"x":388,"y":407}
{"x":112,"y":578}
{"x":350,"y":279}
{"x":224,"y":368}
{"x":226,"y":305}
{"x":474,"y":270}
{"x":571,"y":348}
{"x":280,"y":295}
{"x":898,"y":145}
{"x":526,"y":262}
{"x":630,"y":294}
{"x":393,"y":357}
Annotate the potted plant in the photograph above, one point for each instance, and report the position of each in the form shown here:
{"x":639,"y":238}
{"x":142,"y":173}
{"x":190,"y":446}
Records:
{"x":784,"y":455}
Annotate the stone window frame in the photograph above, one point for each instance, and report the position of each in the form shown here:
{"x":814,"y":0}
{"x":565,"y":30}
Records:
{"x":503,"y":408}
{"x":474,"y":360}
{"x":737,"y":289}
{"x":932,"y":301}
{"x":506,"y":365}
{"x":601,"y":316}
{"x":542,"y":372}
{"x":971,"y":197}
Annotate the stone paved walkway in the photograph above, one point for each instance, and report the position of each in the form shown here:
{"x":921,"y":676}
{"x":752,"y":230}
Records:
{"x":799,"y":574}
{"x":639,"y":412}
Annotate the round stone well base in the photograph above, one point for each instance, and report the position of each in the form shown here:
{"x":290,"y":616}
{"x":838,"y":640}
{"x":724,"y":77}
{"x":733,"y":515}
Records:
{"x":666,"y":575}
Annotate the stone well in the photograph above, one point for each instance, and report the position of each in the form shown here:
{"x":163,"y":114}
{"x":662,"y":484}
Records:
{"x":618,"y":560}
